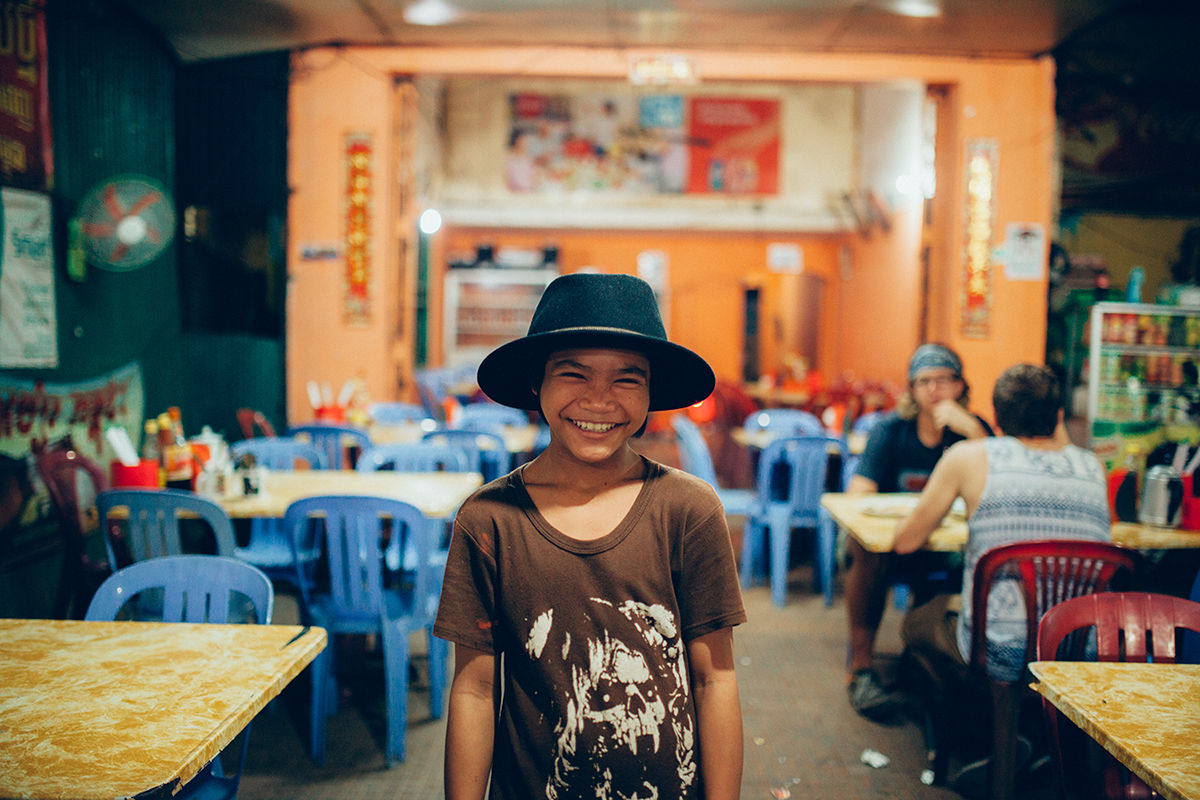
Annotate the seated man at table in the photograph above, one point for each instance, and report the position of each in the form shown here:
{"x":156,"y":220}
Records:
{"x":900,"y":453}
{"x":1029,"y":484}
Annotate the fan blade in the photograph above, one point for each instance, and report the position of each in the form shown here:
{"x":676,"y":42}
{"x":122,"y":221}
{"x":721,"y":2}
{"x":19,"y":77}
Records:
{"x":99,"y":228}
{"x":118,"y":252}
{"x":152,"y":235}
{"x":144,"y":202}
{"x":111,"y":203}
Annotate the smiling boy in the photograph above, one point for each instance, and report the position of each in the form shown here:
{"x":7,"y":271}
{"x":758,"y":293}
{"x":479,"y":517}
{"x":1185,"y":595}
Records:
{"x":604,"y":582}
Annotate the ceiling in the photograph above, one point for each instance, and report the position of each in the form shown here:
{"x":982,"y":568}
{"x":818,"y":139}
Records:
{"x":208,"y":29}
{"x":1127,"y":72}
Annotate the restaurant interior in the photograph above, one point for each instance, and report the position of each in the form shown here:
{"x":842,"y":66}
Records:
{"x":261,"y":220}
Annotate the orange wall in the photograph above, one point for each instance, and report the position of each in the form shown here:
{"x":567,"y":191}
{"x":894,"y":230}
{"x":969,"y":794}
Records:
{"x":708,"y":274}
{"x":874,"y":320}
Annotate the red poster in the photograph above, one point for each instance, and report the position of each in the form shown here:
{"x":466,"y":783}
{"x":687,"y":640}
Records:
{"x":25,"y":150}
{"x":734,"y":146}
{"x":356,"y":297}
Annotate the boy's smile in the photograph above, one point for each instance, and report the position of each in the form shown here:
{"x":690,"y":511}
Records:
{"x":594,"y":400}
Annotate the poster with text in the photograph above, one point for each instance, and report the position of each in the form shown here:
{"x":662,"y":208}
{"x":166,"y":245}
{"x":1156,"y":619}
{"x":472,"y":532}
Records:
{"x":591,"y":143}
{"x":734,"y":146}
{"x":28,"y":320}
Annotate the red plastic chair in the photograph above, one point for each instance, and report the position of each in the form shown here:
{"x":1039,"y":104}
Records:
{"x":248,"y":418}
{"x":1125,"y":623}
{"x":80,"y":576}
{"x":1051,"y":571}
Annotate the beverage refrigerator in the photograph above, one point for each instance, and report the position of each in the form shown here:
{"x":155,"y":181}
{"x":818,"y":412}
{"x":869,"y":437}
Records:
{"x":1142,"y":377}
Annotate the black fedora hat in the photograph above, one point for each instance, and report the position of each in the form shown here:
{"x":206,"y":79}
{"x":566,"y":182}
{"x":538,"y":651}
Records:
{"x":595,"y":310}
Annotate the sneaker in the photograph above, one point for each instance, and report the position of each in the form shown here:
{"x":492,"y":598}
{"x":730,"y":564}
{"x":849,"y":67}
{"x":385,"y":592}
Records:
{"x":869,"y":698}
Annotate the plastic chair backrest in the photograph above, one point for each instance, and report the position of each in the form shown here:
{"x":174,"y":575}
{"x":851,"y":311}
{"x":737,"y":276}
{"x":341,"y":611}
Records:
{"x":331,"y":441}
{"x":196,"y":588}
{"x":866,"y":422}
{"x":487,"y":449}
{"x":351,"y":528}
{"x":805,"y":462}
{"x":1189,"y":649}
{"x":154,"y":521}
{"x":490,"y":416}
{"x":785,"y":422}
{"x":1051,"y":571}
{"x":248,"y":418}
{"x":415,"y":457}
{"x":279,"y":452}
{"x":1129,"y":626}
{"x":694,"y":455}
{"x":394,"y":413}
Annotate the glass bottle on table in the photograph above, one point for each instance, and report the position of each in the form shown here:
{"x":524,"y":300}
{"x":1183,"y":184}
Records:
{"x":177,"y":455}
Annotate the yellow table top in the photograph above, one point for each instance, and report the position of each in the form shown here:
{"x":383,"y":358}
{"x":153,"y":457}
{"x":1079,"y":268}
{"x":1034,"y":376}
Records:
{"x":436,"y":494}
{"x":876,"y":532}
{"x":516,"y":439}
{"x":1147,"y":715}
{"x":101,"y":710}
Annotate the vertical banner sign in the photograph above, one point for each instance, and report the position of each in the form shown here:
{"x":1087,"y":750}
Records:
{"x":734,"y":144}
{"x":356,"y":293}
{"x":28,"y":319}
{"x":982,"y":157}
{"x":25,"y":150}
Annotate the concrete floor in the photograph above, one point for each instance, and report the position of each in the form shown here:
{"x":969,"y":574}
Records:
{"x":801,"y":737}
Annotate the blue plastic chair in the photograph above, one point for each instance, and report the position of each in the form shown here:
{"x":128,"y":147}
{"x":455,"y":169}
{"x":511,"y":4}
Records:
{"x":490,"y":416}
{"x":422,"y":456}
{"x":396,"y":413}
{"x":1189,"y":648}
{"x":865,"y":423}
{"x":696,"y":459}
{"x":784,"y":504}
{"x":269,"y":547}
{"x":194,"y":589}
{"x":153,"y":522}
{"x":360,"y":601}
{"x":331,"y":441}
{"x":784,"y":422}
{"x":279,"y":452}
{"x":487,"y":450}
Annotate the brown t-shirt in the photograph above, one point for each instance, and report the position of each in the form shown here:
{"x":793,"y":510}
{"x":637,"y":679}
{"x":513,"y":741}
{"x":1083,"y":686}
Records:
{"x":597,"y":695}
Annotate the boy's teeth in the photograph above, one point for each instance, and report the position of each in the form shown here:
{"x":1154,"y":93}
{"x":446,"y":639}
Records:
{"x":596,"y":427}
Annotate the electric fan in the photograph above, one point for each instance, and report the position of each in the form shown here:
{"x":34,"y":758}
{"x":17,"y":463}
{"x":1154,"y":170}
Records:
{"x":126,"y":222}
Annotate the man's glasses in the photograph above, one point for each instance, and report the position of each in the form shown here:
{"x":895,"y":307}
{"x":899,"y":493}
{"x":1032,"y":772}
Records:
{"x":937,"y":380}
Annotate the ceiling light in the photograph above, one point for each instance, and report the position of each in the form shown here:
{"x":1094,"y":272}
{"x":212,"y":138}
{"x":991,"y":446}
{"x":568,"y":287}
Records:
{"x":430,"y":221}
{"x":431,"y":12}
{"x":923,"y":9}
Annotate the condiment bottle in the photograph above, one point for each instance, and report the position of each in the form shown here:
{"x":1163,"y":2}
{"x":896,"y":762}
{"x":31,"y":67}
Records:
{"x":177,"y":455}
{"x":1123,"y":488}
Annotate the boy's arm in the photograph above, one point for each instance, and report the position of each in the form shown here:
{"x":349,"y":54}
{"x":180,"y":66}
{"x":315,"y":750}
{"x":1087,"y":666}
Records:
{"x":719,"y":713}
{"x":470,"y":724}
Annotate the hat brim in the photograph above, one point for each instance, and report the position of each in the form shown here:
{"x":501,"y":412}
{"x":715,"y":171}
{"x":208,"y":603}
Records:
{"x":678,"y":377}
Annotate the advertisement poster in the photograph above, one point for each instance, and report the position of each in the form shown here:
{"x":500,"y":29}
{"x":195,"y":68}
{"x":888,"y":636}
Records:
{"x":595,"y":143}
{"x":28,"y":321}
{"x":34,"y":414}
{"x":734,"y":146}
{"x":25,"y":151}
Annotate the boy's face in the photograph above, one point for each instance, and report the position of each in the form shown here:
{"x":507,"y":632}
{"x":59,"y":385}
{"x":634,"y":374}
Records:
{"x":594,"y":399}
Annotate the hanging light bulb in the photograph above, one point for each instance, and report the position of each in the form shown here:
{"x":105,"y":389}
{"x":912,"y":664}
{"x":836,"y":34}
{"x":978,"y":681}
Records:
{"x":430,"y":221}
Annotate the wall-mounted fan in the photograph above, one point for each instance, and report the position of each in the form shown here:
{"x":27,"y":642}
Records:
{"x":126,"y":222}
